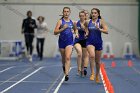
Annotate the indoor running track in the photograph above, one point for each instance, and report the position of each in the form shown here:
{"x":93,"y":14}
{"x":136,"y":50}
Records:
{"x":47,"y":77}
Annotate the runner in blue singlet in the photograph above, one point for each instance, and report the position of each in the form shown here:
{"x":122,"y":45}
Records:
{"x":64,"y":27}
{"x":95,"y":27}
{"x":80,"y":43}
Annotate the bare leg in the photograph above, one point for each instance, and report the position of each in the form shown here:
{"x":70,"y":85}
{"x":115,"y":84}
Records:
{"x":97,"y":62}
{"x":85,"y":61}
{"x":78,"y":49}
{"x":91,"y":51}
{"x":68,"y":52}
{"x":62,"y":51}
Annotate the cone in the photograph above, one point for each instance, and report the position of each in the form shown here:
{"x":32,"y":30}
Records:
{"x":112,"y":56}
{"x":130,"y":64}
{"x":113,"y":64}
{"x":105,"y":56}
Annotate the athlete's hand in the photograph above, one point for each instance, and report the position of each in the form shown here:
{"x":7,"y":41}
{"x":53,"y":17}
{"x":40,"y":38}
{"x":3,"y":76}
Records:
{"x":86,"y":35}
{"x":82,"y":26}
{"x":97,"y":26}
{"x":72,"y":31}
{"x":65,"y":26}
{"x":77,"y":35}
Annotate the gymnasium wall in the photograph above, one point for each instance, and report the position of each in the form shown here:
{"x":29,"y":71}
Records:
{"x":69,"y":1}
{"x":122,"y":20}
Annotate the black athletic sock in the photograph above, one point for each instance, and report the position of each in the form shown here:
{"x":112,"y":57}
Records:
{"x":63,"y":68}
{"x":85,"y":71}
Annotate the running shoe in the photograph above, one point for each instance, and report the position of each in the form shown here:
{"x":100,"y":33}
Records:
{"x":66,"y":78}
{"x":30,"y":58}
{"x":85,"y":72}
{"x":91,"y":77}
{"x":97,"y":79}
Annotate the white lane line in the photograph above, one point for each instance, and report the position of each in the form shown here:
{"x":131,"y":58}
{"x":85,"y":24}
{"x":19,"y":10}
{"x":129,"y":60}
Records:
{"x":20,"y":80}
{"x":42,"y":82}
{"x":59,"y":85}
{"x":6,"y":69}
{"x":136,"y":70}
{"x":18,"y":74}
{"x":55,"y":81}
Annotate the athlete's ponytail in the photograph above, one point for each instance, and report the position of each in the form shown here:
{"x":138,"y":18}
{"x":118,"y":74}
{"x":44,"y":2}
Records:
{"x":90,"y":16}
{"x":99,"y":17}
{"x":61,"y":17}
